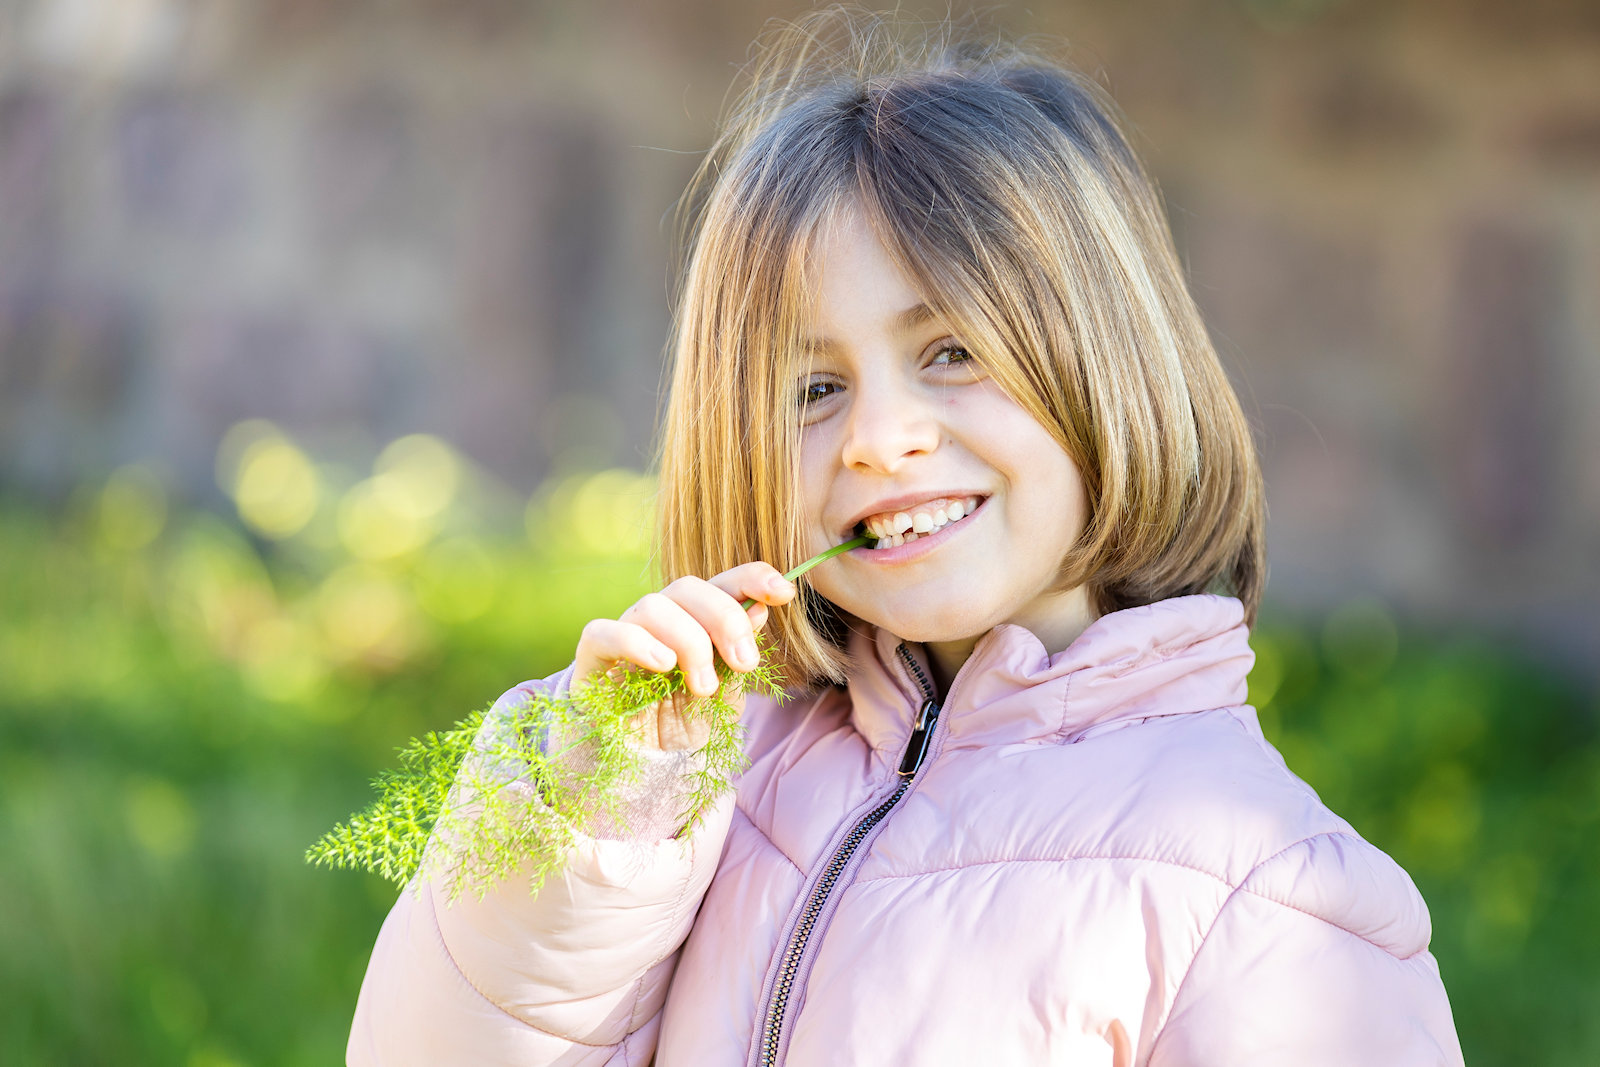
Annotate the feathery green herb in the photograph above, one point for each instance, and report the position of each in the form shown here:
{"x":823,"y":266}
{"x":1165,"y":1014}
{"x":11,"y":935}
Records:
{"x":509,"y":793}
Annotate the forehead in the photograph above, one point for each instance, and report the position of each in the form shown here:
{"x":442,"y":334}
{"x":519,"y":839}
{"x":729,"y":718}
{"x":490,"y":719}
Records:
{"x":855,"y":284}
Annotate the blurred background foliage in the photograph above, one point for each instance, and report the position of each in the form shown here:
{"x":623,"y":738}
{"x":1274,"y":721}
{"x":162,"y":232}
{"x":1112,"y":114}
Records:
{"x":191,"y":699}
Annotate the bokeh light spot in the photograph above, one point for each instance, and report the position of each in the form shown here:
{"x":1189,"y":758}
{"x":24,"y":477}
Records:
{"x":273,"y":483}
{"x":367,"y":616}
{"x":131,"y":510}
{"x":231,"y":449}
{"x":161,"y":818}
{"x":1442,"y":818}
{"x":372,"y":528}
{"x":401,"y":507}
{"x":417,"y":475}
{"x":608,"y":513}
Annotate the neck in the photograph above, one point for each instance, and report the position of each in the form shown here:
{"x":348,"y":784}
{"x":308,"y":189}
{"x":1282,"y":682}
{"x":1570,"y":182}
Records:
{"x":1055,"y":620}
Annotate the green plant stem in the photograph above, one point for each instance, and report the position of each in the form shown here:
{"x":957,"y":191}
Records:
{"x":821,"y":557}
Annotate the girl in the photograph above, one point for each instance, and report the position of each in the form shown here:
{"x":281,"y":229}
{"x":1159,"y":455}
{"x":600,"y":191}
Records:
{"x":1013,"y":808}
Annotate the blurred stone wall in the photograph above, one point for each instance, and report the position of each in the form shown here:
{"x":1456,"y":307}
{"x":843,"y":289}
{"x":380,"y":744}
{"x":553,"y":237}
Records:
{"x":362,"y":219}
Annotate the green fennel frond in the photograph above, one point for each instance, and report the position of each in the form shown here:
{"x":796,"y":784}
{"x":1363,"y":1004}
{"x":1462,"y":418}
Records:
{"x":509,"y":794}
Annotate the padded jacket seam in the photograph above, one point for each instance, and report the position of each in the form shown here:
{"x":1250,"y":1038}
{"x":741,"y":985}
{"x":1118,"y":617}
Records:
{"x":1043,"y":859}
{"x":1216,"y":921}
{"x":1337,"y":926}
{"x":634,"y":1022}
{"x":766,"y":836}
{"x":470,"y":984}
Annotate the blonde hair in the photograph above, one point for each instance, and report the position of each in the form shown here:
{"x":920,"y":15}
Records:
{"x":1002,"y":187}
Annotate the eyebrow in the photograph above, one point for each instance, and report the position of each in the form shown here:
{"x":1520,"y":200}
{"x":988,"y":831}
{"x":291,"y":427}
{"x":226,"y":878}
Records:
{"x":904,"y":322}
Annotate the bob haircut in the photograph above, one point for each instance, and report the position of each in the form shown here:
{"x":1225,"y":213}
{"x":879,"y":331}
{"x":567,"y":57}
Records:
{"x":1001,"y":186}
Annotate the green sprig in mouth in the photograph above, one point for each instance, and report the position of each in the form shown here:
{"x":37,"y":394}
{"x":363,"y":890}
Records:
{"x":861,"y":540}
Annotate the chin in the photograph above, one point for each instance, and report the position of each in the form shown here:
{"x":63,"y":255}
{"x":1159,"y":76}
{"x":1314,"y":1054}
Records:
{"x":925,"y":626}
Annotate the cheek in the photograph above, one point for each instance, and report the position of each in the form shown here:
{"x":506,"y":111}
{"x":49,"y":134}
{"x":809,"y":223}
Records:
{"x":1075,"y":505}
{"x":811,"y":496}
{"x":1058,"y":495}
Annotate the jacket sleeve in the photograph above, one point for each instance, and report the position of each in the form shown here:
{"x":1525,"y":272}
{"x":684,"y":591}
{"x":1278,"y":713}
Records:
{"x":1317,"y":959}
{"x":575,"y":975}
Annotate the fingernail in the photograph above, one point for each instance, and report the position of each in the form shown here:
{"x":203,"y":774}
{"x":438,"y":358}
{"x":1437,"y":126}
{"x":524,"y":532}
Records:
{"x":780,"y":586}
{"x":705,"y":681}
{"x":745,"y":653}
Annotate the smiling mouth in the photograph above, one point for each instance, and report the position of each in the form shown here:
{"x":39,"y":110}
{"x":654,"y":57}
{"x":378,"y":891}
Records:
{"x":904,"y":527}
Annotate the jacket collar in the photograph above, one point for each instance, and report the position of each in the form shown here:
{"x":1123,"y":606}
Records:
{"x":1186,"y":654}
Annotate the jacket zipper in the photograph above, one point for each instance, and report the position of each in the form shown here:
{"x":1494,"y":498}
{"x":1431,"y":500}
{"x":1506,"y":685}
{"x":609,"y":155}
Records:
{"x":916,"y":751}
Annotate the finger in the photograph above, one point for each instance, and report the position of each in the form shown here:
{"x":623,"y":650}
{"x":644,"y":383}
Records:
{"x":680,"y":629}
{"x":731,"y":629}
{"x":677,"y":728}
{"x":606,"y":642}
{"x":756,"y":581}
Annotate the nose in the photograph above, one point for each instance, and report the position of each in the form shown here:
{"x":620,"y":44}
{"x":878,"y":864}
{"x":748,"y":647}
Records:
{"x":889,"y":423}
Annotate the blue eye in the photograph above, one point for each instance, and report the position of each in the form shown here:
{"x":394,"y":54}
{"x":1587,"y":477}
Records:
{"x":812,"y":392}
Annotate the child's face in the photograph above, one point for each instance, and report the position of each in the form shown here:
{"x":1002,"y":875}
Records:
{"x":901,"y":419}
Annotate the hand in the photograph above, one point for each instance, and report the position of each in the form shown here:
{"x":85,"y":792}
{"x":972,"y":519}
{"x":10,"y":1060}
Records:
{"x":682,"y":626}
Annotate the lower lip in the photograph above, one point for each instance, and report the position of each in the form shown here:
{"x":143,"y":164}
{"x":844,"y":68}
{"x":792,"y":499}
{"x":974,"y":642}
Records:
{"x":924,"y":543}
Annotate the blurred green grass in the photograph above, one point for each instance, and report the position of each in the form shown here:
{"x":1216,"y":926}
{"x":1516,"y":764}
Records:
{"x":187,"y":701}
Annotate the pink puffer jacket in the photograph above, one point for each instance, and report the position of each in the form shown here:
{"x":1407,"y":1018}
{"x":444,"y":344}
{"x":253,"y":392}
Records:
{"x":1091,"y":858}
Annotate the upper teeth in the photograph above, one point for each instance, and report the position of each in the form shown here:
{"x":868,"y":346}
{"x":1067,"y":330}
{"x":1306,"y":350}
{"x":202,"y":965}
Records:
{"x":903,"y":526}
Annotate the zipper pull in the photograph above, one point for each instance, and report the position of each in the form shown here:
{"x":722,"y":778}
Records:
{"x":917,"y":746}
